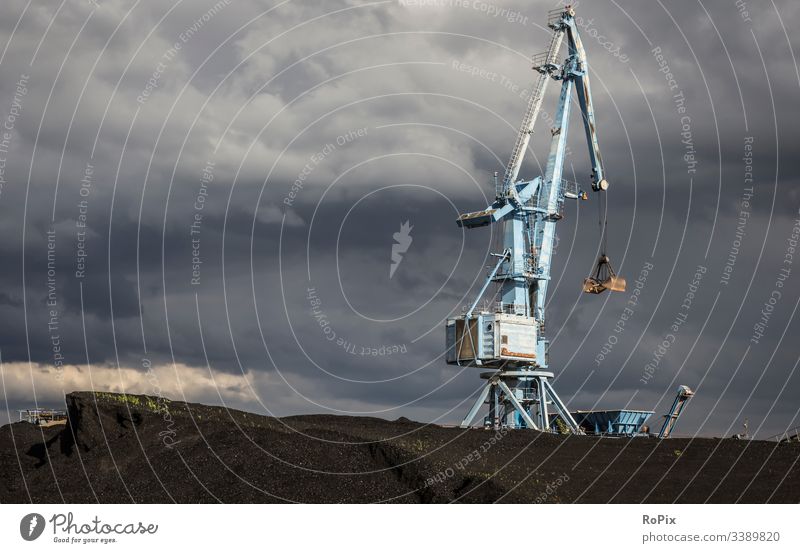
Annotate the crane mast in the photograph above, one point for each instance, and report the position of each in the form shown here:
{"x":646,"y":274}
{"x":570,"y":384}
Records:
{"x":508,"y":336}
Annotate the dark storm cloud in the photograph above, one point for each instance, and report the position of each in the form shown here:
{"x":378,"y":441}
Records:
{"x":374,"y":110}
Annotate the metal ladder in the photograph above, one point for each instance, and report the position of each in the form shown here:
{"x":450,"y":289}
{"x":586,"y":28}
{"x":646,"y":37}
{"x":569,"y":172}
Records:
{"x":544,"y":63}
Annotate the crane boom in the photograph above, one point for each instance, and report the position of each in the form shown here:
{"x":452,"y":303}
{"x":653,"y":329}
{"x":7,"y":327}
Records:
{"x":584,"y":91}
{"x":532,"y":112}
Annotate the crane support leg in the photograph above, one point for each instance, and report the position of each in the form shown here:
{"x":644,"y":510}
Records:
{"x":467,"y":422}
{"x":517,"y":405}
{"x":560,"y":407}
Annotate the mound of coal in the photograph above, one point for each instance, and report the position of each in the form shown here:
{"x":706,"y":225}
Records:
{"x":124,"y":448}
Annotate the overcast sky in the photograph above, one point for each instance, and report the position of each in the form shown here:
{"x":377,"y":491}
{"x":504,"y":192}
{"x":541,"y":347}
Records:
{"x":198,"y":199}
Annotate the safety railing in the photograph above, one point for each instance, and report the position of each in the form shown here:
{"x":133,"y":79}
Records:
{"x":499,"y":307}
{"x":554,"y":16}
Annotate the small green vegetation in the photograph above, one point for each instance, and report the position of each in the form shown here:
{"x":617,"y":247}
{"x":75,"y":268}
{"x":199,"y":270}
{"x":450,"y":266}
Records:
{"x":561,"y":426}
{"x":119,"y":398}
{"x":150,"y":403}
{"x":418,"y":446}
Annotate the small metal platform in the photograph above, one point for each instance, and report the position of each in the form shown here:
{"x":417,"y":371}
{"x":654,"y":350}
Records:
{"x":43,"y":417}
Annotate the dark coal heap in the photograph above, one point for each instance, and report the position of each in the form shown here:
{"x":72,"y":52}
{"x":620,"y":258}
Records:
{"x":125,"y":448}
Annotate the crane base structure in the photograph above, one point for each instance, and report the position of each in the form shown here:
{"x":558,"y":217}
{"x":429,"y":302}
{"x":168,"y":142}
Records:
{"x":527,"y":391}
{"x":507,"y":334}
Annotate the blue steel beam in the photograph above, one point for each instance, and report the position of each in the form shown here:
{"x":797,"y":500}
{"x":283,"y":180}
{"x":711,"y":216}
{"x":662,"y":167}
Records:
{"x":517,"y":405}
{"x":550,"y":193}
{"x":467,"y":422}
{"x":584,"y":92}
{"x":671,"y":418}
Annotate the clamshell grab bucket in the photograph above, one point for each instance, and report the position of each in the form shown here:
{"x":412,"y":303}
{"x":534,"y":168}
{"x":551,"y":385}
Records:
{"x":604,"y":278}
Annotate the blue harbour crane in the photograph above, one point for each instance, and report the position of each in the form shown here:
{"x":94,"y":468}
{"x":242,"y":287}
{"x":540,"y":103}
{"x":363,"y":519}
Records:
{"x":507,"y":336}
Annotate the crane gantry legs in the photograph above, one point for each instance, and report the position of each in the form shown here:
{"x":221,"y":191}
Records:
{"x":519,"y":399}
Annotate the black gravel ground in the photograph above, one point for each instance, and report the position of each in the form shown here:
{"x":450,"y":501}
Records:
{"x":119,"y":448}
